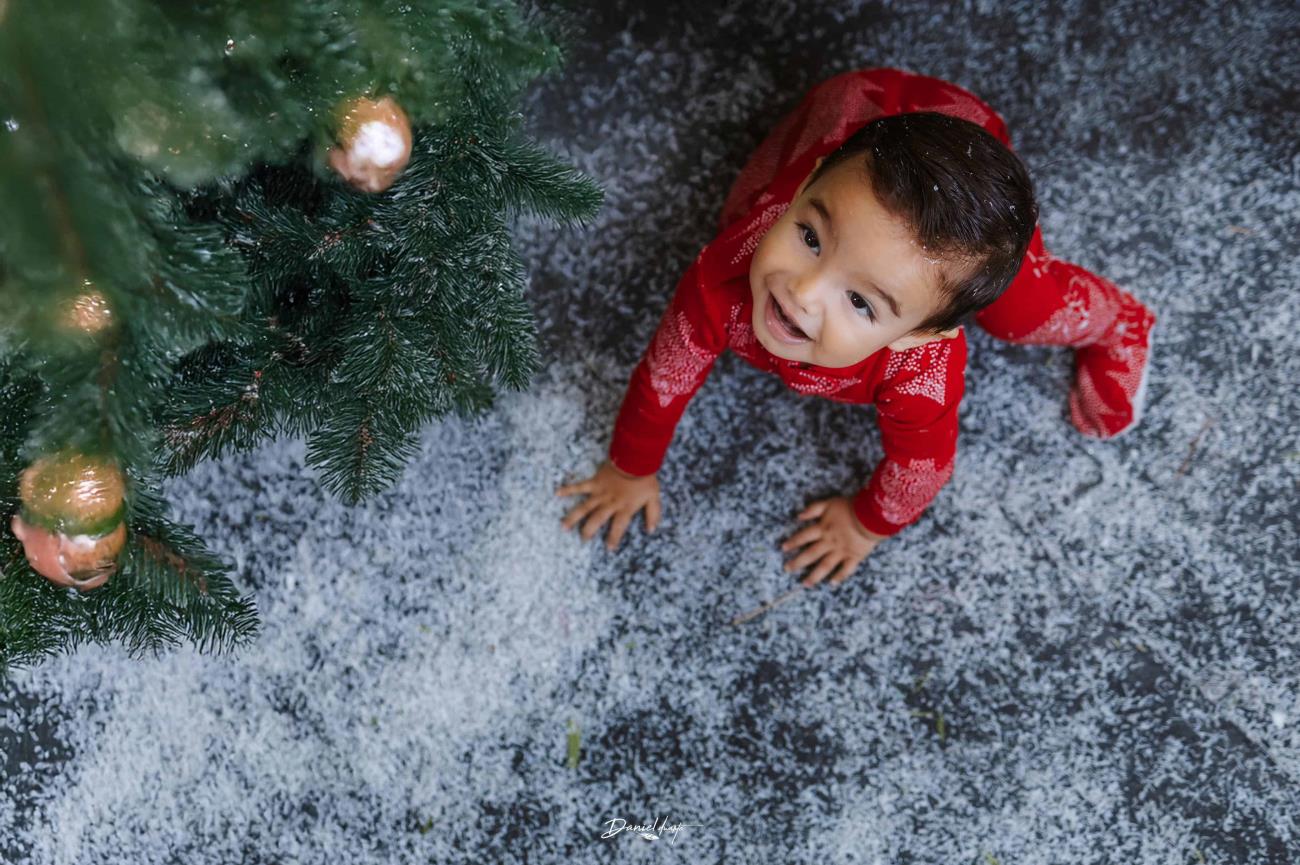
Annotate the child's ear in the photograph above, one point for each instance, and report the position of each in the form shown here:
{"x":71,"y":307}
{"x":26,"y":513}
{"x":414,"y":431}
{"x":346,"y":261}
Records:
{"x":912,"y":340}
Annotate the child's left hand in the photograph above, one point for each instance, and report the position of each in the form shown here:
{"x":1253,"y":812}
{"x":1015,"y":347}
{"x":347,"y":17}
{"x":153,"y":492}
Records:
{"x":840,"y":541}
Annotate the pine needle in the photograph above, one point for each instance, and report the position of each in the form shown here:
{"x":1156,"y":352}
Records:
{"x":575,"y":744}
{"x":1191,"y":450}
{"x":755,"y":613}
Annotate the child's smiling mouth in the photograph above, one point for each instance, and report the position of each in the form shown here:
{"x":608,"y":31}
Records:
{"x":783,"y":327}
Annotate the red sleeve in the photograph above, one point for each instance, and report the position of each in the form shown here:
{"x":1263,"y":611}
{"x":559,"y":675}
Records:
{"x":917,"y":410}
{"x":692,"y":333}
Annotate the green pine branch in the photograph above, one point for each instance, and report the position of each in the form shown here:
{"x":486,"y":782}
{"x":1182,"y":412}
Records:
{"x":253,"y":294}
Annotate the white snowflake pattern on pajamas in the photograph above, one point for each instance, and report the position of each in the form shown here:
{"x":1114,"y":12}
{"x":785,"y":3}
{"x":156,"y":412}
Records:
{"x":756,"y":228}
{"x":929,"y":362}
{"x":1090,"y":309}
{"x":807,"y":382}
{"x":844,"y":107}
{"x":742,"y":340}
{"x":745,"y":344}
{"x":1124,"y":362}
{"x":1087,"y":405}
{"x":906,"y":489}
{"x":958,"y":104}
{"x":676,"y":361}
{"x":1037,"y":263}
{"x":840,"y":106}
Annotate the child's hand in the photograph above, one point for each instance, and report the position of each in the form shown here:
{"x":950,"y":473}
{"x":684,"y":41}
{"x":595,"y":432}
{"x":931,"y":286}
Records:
{"x":612,"y":493}
{"x":841,"y":540}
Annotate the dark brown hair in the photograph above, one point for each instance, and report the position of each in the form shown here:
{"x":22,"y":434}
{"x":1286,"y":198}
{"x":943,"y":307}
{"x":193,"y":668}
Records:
{"x":962,"y":194}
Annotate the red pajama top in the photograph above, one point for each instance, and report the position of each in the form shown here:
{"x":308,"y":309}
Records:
{"x":916,"y":392}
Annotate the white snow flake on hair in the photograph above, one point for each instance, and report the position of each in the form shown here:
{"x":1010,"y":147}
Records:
{"x":676,"y":361}
{"x":906,"y":489}
{"x":929,"y":362}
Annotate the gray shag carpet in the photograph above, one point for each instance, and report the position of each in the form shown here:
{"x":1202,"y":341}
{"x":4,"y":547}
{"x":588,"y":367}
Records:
{"x":1085,"y":652}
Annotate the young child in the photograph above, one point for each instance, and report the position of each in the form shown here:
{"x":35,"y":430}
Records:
{"x":869,"y":224}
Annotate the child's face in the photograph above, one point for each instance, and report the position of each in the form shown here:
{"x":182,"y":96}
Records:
{"x":820,"y":261}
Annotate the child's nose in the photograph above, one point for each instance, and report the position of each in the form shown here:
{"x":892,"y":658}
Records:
{"x":805,"y":289}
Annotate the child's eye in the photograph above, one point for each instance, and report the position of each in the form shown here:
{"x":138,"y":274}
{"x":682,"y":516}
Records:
{"x":806,"y":231}
{"x":871,"y":314}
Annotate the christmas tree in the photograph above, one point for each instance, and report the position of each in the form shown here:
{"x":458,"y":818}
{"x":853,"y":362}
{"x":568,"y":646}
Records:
{"x":227,"y":221}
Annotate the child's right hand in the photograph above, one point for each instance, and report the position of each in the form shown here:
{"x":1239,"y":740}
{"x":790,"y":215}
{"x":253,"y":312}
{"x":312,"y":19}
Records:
{"x":612,"y":492}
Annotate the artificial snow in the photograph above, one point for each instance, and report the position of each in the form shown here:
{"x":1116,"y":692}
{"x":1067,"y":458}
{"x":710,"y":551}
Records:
{"x":1083,"y":652}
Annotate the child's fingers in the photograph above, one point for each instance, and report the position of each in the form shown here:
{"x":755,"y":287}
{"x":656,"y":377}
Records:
{"x":617,"y":528}
{"x":571,"y":489}
{"x":826,"y":565}
{"x":809,"y":533}
{"x":813,"y":510}
{"x":809,"y":555}
{"x":652,"y":515}
{"x":598,"y":519}
{"x":579,"y":511}
{"x":845,"y":571}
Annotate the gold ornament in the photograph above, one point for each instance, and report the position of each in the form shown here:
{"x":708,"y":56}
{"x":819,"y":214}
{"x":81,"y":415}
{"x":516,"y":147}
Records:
{"x":71,"y":522}
{"x":88,"y":312}
{"x":82,"y":562}
{"x":69,"y":490}
{"x":374,"y":139}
